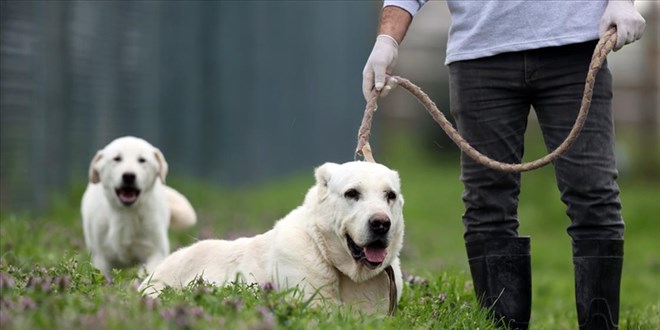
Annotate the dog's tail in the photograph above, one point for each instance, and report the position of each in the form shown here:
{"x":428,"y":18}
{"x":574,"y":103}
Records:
{"x":182,"y":214}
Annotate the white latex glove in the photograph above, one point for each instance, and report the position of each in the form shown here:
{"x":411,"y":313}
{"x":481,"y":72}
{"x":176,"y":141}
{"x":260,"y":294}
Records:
{"x":628,"y":21}
{"x":375,"y":76}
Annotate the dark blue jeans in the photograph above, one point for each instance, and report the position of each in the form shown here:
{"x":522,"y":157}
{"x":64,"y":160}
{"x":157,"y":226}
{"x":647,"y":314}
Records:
{"x":491,"y":99}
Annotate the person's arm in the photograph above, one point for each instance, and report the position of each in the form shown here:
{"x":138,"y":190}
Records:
{"x":628,"y":21}
{"x":394,"y":23}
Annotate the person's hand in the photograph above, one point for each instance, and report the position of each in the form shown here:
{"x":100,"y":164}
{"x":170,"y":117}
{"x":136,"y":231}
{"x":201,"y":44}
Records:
{"x":375,"y":76}
{"x":628,"y":21}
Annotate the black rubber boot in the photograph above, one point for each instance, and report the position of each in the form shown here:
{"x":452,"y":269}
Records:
{"x":597,"y":265}
{"x":502,"y":275}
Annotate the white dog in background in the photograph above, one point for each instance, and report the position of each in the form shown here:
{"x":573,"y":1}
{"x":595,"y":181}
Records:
{"x":126,"y":208}
{"x":337,"y":244}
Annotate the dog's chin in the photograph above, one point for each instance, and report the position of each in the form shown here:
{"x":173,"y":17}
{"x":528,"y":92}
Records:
{"x":127,"y":195}
{"x":371,"y":255}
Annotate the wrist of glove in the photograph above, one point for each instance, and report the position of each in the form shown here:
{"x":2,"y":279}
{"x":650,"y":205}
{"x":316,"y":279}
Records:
{"x":375,"y":76}
{"x":628,"y":21}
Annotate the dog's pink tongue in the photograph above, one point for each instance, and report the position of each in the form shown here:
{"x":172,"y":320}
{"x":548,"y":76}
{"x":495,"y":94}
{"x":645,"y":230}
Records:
{"x":127,"y":196}
{"x":375,"y":254}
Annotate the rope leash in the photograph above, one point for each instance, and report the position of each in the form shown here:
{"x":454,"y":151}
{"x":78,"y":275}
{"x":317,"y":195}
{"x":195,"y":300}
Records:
{"x":604,"y":46}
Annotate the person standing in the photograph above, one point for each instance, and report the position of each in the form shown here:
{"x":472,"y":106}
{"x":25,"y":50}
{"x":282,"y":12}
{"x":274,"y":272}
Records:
{"x":505,"y":57}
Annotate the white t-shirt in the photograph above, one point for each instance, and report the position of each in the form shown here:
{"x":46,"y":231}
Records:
{"x":488,"y":27}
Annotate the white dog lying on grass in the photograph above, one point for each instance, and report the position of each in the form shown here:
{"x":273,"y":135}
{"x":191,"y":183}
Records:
{"x":336,"y":245}
{"x":126,"y":208}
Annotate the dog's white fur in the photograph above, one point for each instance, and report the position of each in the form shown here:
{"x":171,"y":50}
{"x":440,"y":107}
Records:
{"x":120,"y":235}
{"x":308,"y":248}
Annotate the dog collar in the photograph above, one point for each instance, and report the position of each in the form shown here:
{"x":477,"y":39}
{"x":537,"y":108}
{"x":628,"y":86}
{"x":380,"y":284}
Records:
{"x":393,"y":294}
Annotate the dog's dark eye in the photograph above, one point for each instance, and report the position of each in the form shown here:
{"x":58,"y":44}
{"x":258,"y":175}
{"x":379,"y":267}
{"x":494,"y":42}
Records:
{"x":117,"y":159}
{"x":352,"y":194}
{"x":390,"y":195}
{"x":141,"y":160}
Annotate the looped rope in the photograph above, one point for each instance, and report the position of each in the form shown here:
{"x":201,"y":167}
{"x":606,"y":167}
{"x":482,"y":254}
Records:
{"x":604,"y":46}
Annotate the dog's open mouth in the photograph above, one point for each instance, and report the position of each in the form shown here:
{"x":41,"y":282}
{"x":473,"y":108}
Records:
{"x":372,"y":255}
{"x":127,"y":195}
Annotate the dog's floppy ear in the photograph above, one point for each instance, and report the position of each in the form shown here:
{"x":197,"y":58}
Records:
{"x":323,"y":174}
{"x":94,"y":176}
{"x":162,"y":165}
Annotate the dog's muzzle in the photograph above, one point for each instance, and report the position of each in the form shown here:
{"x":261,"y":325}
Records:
{"x":128,"y":192}
{"x":371,"y":255}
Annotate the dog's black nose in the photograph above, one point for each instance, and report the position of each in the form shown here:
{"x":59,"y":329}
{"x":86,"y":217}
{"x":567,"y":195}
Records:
{"x":128,"y":178}
{"x":379,"y":224}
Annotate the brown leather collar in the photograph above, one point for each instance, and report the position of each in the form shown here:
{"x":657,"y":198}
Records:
{"x":393,"y":293}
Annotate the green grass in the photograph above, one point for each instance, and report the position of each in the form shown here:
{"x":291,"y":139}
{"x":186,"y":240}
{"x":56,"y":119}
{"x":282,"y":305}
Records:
{"x":47,"y":282}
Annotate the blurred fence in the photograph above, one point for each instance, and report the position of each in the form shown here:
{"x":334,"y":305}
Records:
{"x":232,"y":92}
